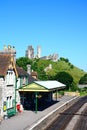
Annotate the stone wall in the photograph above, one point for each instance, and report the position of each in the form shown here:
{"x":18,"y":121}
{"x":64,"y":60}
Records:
{"x":2,"y":85}
{"x":72,"y":93}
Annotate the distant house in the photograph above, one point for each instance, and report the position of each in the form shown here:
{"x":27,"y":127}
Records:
{"x":82,"y":85}
{"x":34,"y":74}
{"x":23,"y":79}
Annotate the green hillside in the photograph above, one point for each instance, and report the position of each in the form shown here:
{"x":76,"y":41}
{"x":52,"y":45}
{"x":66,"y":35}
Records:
{"x":59,"y":66}
{"x":71,"y":69}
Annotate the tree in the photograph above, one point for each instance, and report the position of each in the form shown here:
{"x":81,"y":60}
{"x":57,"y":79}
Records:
{"x":42,"y":75}
{"x":64,"y":59}
{"x":23,"y":62}
{"x":64,"y":78}
{"x":83,"y":79}
{"x":35,"y":65}
{"x":51,"y":74}
{"x":74,"y":87}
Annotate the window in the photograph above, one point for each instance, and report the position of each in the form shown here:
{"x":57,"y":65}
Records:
{"x":10,"y":77}
{"x":9,"y":102}
{"x":24,"y":81}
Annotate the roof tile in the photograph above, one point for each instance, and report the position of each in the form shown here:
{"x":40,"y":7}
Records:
{"x":5,"y":60}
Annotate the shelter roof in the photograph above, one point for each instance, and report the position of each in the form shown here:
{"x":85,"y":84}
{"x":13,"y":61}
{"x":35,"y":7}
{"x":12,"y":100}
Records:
{"x":50,"y":84}
{"x":43,"y":86}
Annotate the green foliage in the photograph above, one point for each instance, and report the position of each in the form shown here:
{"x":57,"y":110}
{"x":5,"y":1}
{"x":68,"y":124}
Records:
{"x":23,"y":61}
{"x":74,"y":87}
{"x":83,"y":79}
{"x":51,"y":74}
{"x":65,"y":78}
{"x":42,"y":75}
{"x":62,"y":65}
{"x":39,"y":65}
{"x":72,"y":66}
{"x":61,"y":92}
{"x":83,"y":91}
{"x":64,"y":59}
{"x":35,"y":65}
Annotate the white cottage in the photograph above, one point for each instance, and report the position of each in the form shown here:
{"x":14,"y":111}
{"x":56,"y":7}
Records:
{"x":8,"y":83}
{"x":12,"y":78}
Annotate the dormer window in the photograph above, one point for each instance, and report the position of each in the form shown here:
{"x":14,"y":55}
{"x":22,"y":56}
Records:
{"x":10,"y":78}
{"x":24,"y":81}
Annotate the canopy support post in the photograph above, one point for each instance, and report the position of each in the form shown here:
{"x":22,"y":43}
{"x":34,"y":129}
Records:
{"x":56,"y":94}
{"x":36,"y":103}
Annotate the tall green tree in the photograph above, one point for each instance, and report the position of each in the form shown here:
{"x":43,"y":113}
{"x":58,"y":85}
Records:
{"x":64,"y":78}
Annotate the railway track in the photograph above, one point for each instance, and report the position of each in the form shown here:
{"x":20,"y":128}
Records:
{"x":62,"y":121}
{"x":82,"y":122}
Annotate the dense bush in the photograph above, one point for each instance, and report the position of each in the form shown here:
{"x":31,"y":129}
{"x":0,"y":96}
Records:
{"x":64,"y":59}
{"x":64,"y":78}
{"x":74,"y":87}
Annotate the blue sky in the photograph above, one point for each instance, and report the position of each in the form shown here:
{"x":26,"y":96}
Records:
{"x":58,"y":26}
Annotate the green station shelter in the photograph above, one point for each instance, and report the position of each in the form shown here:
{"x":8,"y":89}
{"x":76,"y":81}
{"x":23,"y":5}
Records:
{"x":39,"y":91}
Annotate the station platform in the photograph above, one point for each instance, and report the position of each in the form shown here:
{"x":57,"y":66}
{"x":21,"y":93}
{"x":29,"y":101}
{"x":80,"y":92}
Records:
{"x":27,"y":120}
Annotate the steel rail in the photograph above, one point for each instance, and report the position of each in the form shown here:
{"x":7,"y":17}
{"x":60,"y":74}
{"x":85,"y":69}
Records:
{"x":62,"y":121}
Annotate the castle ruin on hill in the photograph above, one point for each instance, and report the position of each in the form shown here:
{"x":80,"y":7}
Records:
{"x":30,"y":53}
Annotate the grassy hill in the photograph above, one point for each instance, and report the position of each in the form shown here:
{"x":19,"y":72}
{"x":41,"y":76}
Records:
{"x":71,"y":69}
{"x":61,"y":66}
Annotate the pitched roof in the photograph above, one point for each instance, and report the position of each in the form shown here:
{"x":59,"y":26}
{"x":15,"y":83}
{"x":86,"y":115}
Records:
{"x":34,"y":73}
{"x":50,"y":84}
{"x":43,"y":86}
{"x":5,"y":60}
{"x":21,"y":72}
{"x":31,"y":79}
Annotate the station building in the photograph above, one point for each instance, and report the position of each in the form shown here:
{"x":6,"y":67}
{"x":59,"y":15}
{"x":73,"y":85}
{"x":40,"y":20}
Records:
{"x":18,"y":88}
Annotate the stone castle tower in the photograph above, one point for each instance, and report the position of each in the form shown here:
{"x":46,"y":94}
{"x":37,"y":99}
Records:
{"x":30,"y":52}
{"x":38,"y":51}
